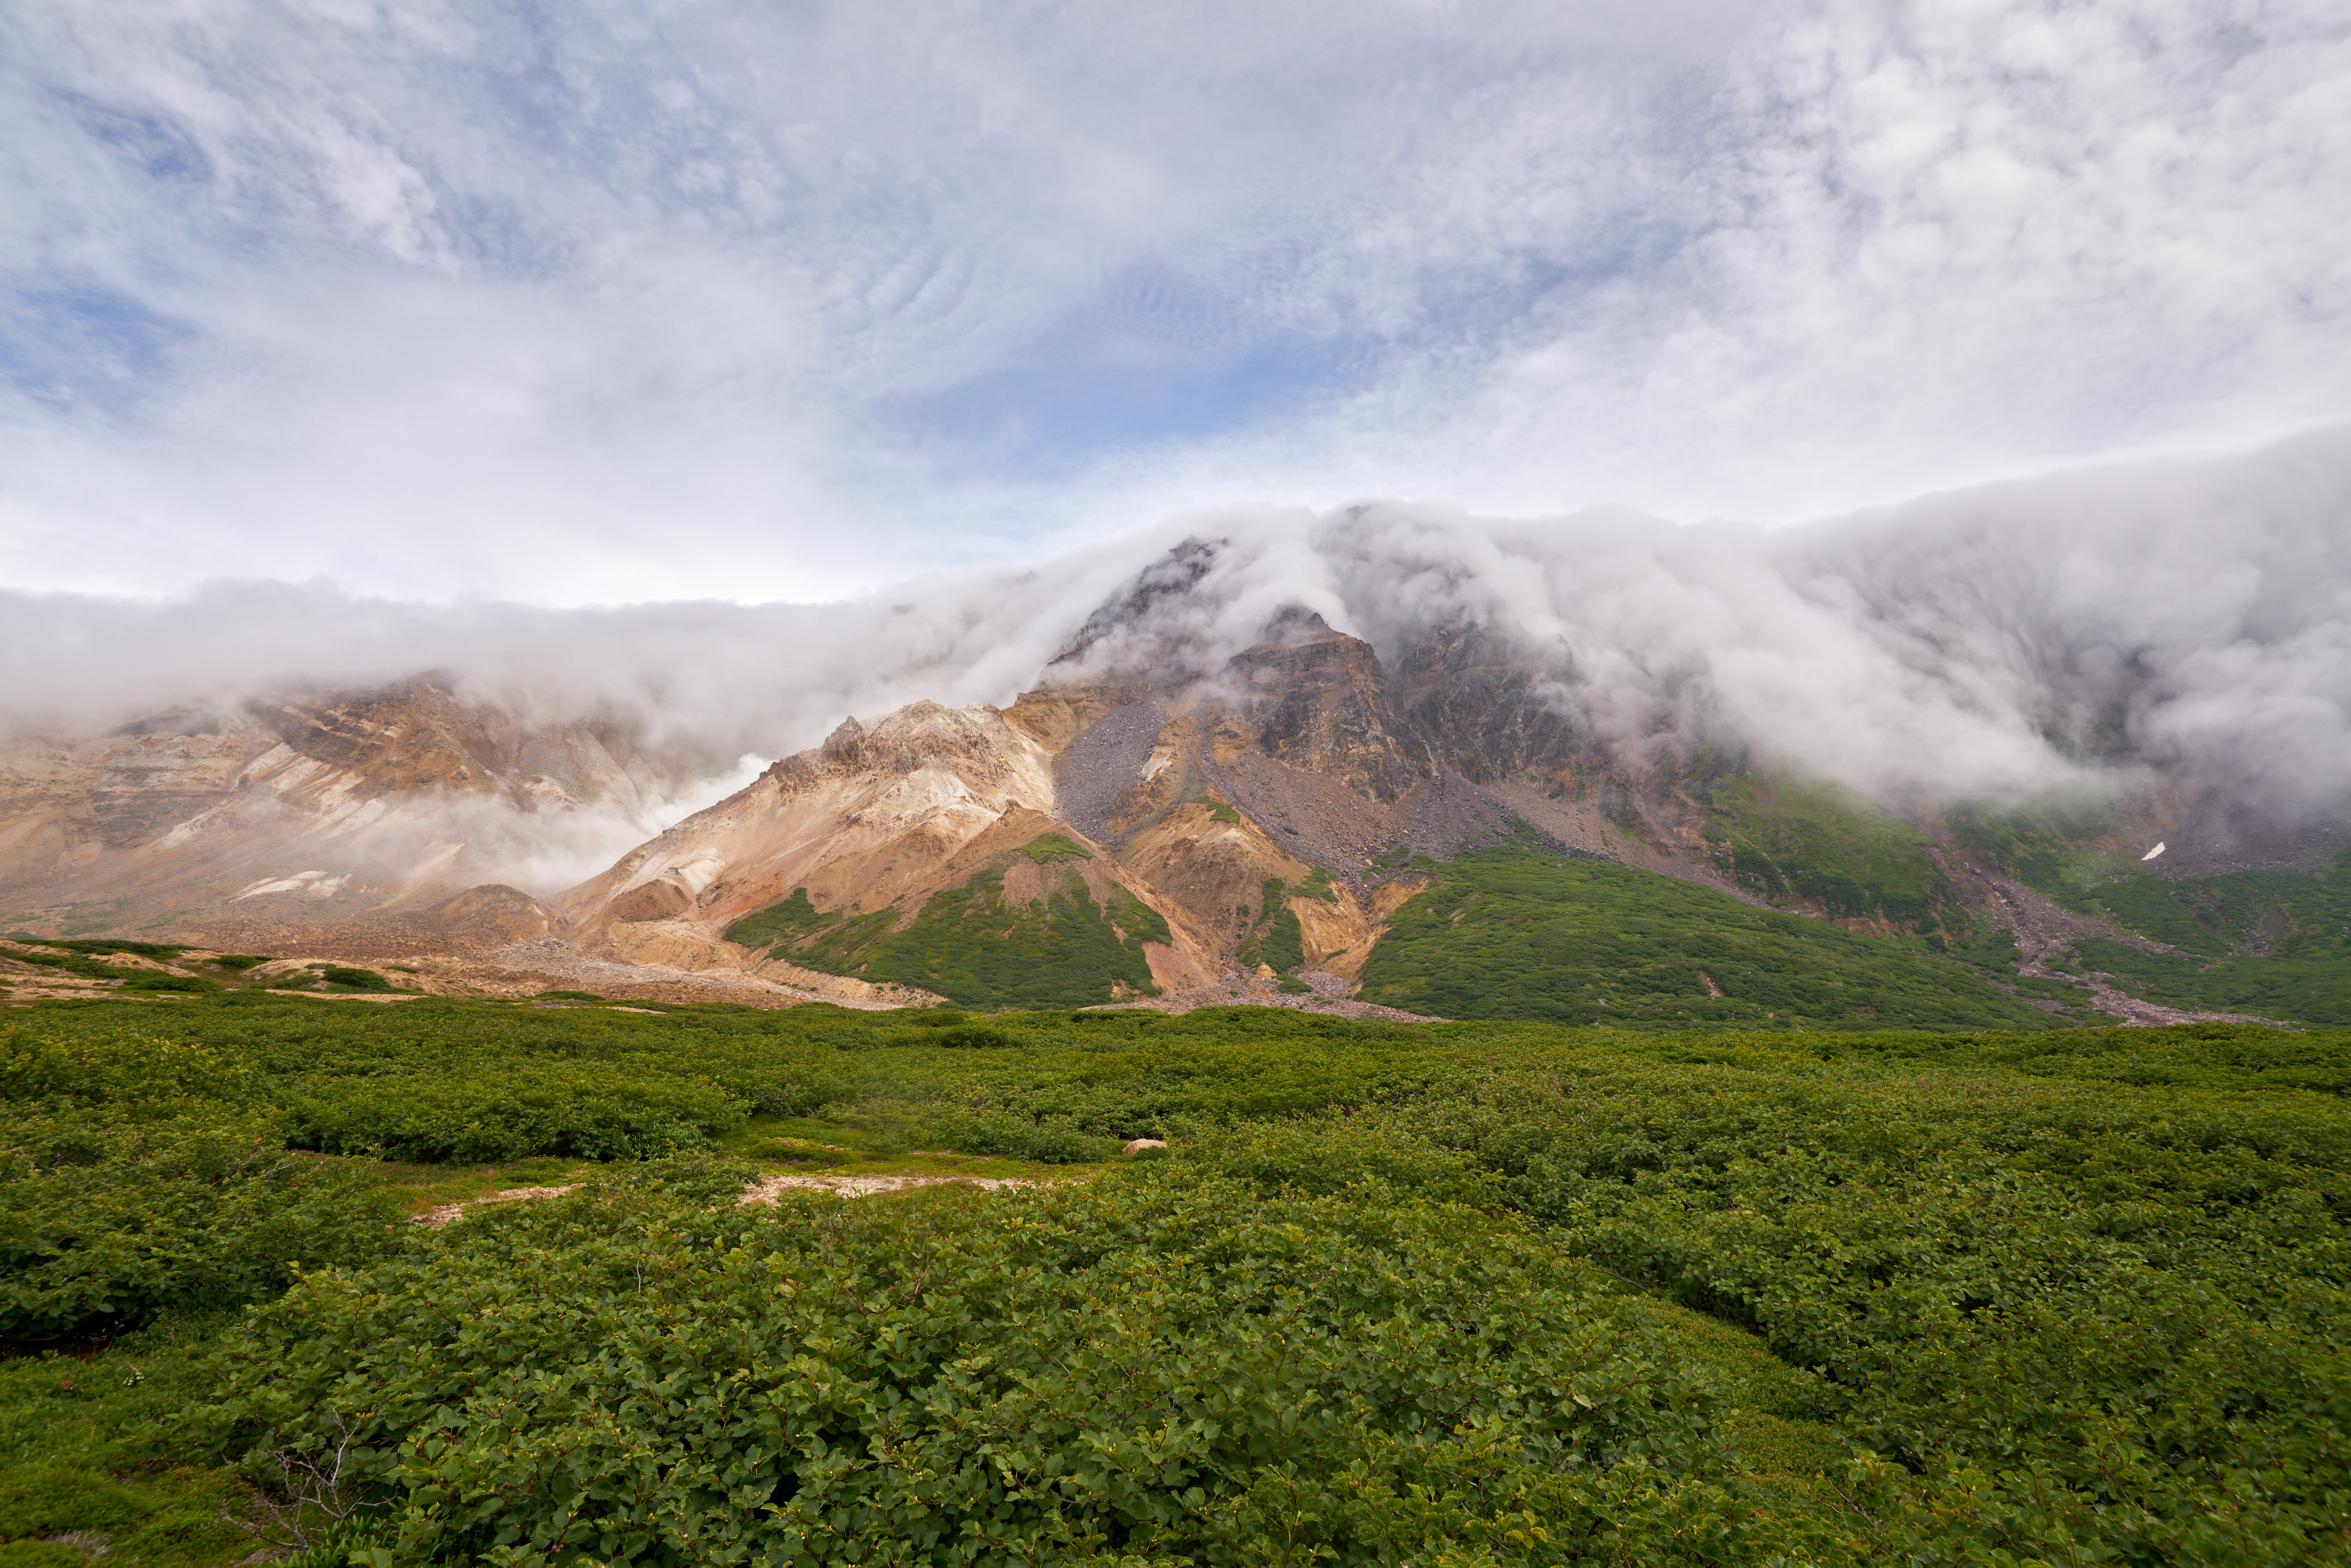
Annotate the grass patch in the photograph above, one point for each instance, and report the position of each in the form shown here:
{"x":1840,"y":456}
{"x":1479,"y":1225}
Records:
{"x":1217,"y":810}
{"x":2275,"y":941}
{"x":2304,"y":989}
{"x":82,"y":1455}
{"x":1048,"y":847}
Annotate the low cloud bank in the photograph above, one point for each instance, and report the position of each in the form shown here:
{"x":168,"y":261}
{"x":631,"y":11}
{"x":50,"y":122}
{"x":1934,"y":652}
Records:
{"x":2188,"y":619}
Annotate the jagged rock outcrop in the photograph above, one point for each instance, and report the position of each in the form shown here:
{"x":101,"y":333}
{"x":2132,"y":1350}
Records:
{"x":1316,"y":701}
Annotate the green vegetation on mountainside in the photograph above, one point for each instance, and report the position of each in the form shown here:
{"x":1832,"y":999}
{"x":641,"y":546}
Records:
{"x":1511,"y":932}
{"x":1789,"y":839}
{"x":2060,"y":848}
{"x":1478,"y":1292}
{"x":974,"y":946}
{"x":2275,"y":941}
{"x":1275,"y":939}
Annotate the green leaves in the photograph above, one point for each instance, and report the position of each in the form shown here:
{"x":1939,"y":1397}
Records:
{"x":1168,"y":1369}
{"x":106,"y":1221}
{"x":496,"y":1114}
{"x":1393,"y":1293}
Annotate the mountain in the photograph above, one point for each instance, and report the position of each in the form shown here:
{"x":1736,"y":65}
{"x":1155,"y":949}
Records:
{"x":1298,"y":822}
{"x":1301,"y":819}
{"x":2067,"y":749}
{"x":276,"y":819}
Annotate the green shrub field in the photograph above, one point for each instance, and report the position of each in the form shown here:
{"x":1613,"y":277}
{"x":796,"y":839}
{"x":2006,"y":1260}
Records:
{"x":1276,"y":937}
{"x":1470,"y":1293}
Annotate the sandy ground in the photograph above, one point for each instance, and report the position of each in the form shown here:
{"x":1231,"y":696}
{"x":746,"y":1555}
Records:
{"x":767,"y":1190}
{"x":441,"y":1214}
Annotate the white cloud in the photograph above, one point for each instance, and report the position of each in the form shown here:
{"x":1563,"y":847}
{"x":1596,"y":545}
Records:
{"x":2187,"y":620}
{"x":620,"y":302}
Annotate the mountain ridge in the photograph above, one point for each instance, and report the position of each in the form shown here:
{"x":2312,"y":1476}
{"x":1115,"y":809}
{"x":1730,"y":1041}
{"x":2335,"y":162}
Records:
{"x":1215,"y":792}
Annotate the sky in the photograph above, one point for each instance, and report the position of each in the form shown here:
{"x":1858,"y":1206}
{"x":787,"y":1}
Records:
{"x":592,"y":304}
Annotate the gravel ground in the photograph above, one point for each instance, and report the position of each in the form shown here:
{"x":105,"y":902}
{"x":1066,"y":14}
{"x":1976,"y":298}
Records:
{"x":1324,"y":822}
{"x":1104,"y":764}
{"x":552,"y":963}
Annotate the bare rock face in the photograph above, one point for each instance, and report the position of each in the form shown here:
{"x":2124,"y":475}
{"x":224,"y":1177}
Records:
{"x":1315,"y":699}
{"x":1489,"y":708}
{"x":868,"y":818}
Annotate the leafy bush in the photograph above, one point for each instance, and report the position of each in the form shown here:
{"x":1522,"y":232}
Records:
{"x":190,"y":983}
{"x":496,"y":1115}
{"x":105,"y":1222}
{"x":1055,"y":1140}
{"x":1140,"y":1371}
{"x":351,"y":979}
{"x":2077,"y":1293}
{"x":2110,"y":1317}
{"x":974,"y":1037}
{"x":137,"y":1175}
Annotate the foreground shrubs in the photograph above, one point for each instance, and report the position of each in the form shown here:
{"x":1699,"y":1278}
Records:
{"x":1140,"y":1369}
{"x":2103,"y":1328}
{"x":131,"y":1183}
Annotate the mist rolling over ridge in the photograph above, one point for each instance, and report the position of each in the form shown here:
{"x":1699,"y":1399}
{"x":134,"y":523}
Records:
{"x":2186,"y":623}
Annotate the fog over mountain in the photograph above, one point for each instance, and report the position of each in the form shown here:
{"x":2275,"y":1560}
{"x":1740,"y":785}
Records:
{"x":2183,"y":621}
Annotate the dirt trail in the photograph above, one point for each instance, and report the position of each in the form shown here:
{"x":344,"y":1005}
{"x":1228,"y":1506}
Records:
{"x":767,"y":1189}
{"x":441,"y":1214}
